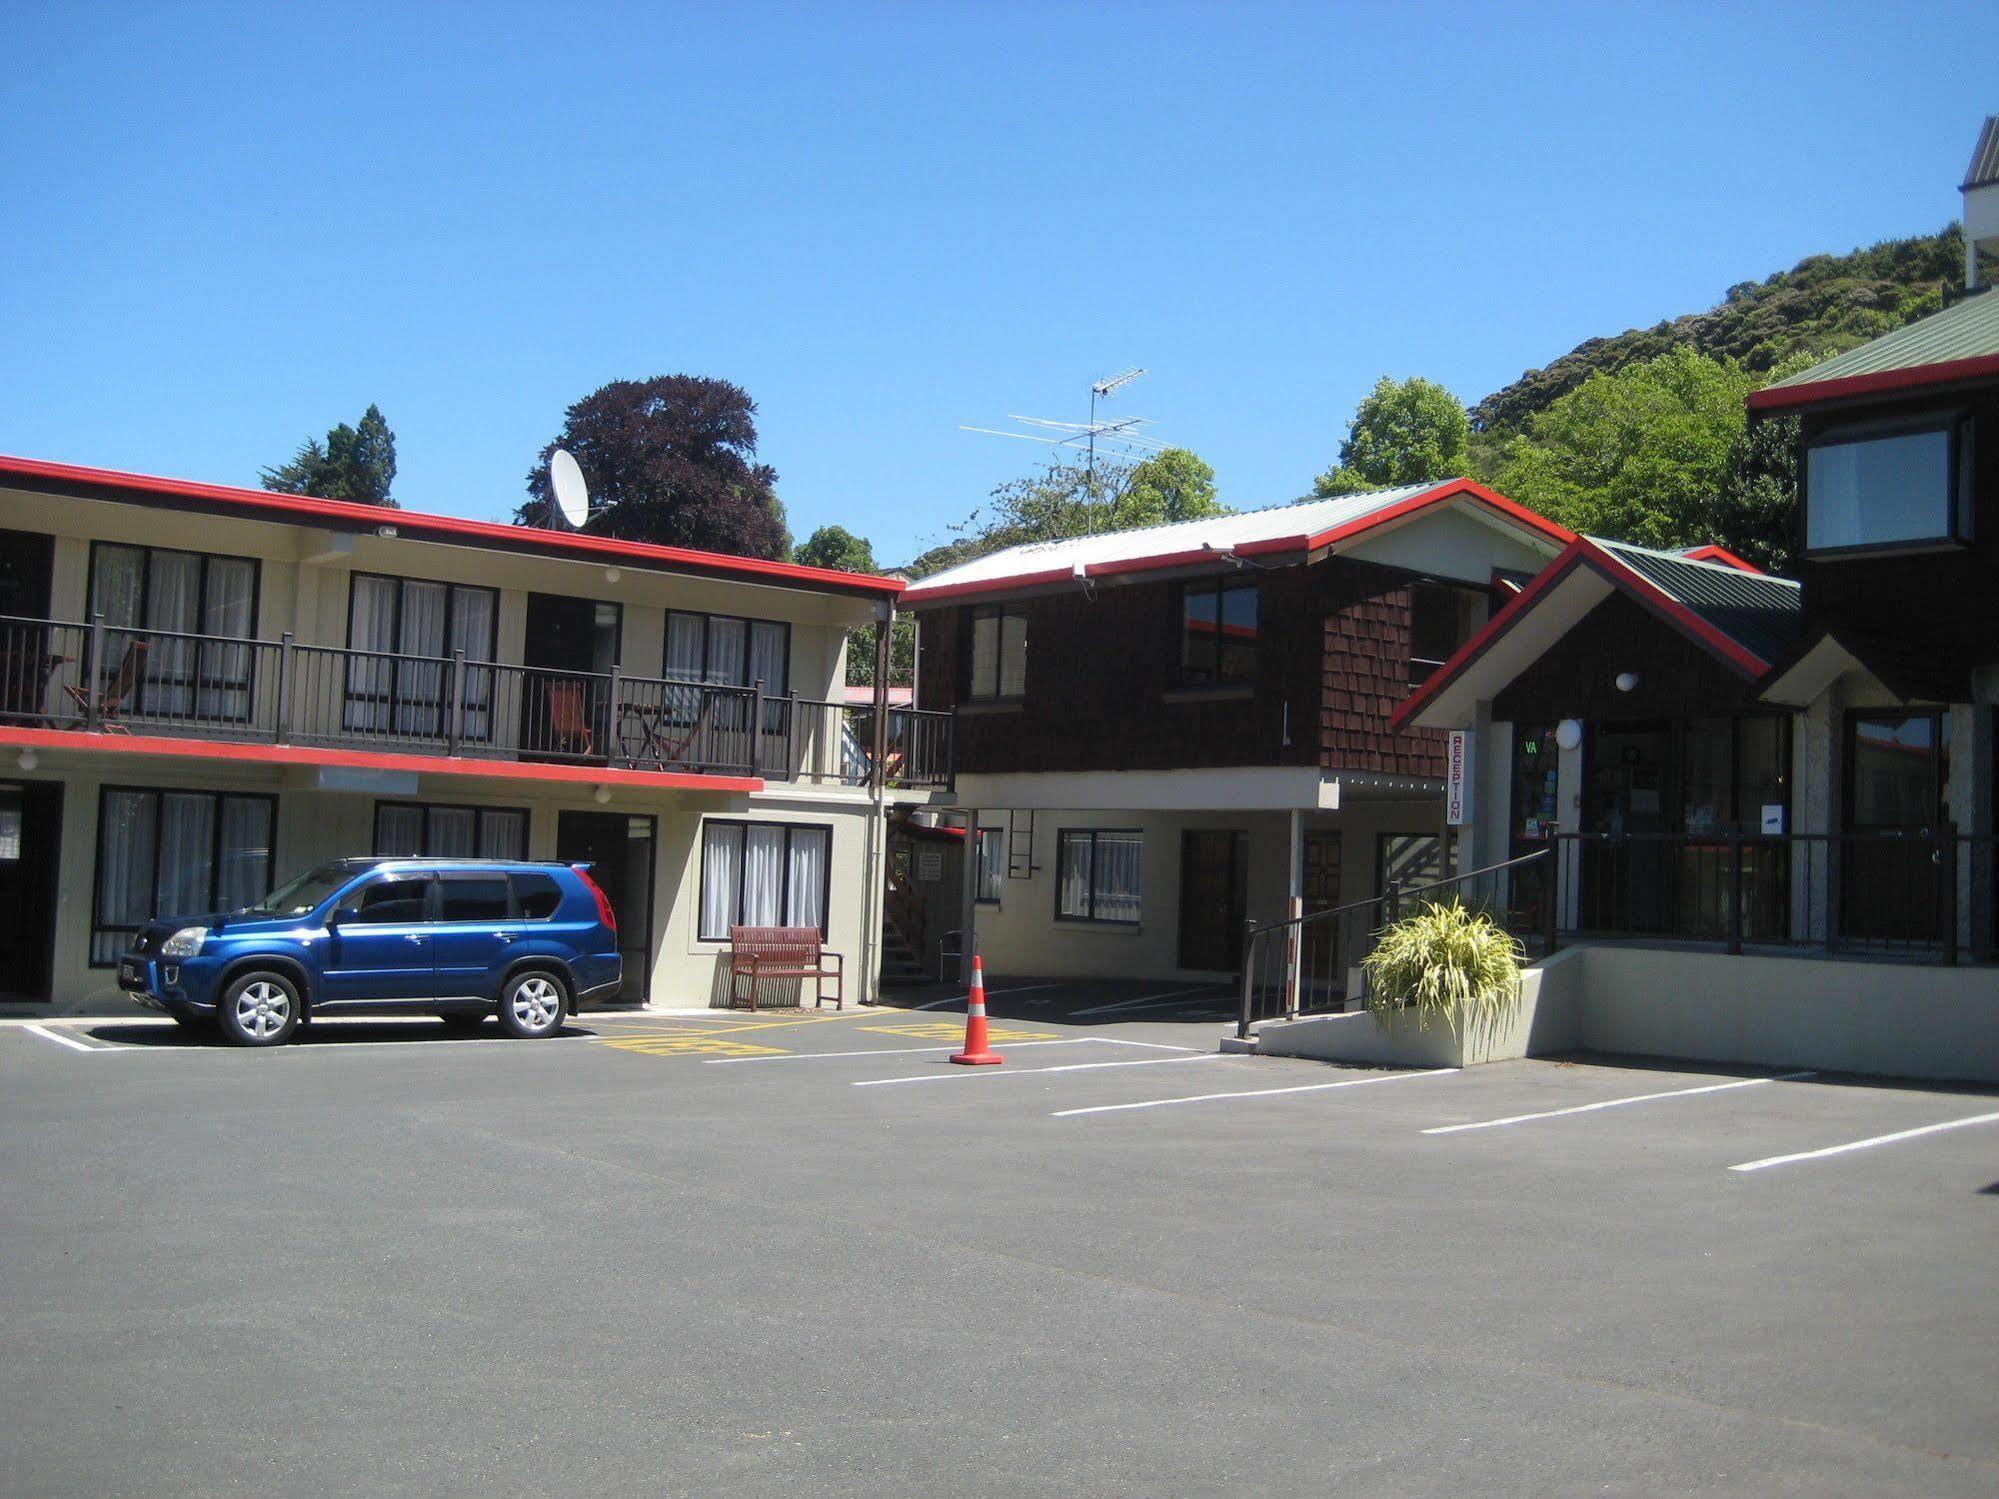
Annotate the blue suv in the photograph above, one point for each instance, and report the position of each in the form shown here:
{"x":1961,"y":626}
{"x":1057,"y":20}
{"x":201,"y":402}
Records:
{"x":460,"y":938}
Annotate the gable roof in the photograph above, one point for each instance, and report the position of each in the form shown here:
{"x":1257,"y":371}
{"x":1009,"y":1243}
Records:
{"x":1745,"y":620}
{"x":1959,"y":343}
{"x":345,"y":515}
{"x":1295,"y":531}
{"x":1984,"y":168}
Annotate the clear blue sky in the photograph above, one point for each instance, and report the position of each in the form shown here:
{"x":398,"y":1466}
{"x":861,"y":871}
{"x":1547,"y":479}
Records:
{"x":230,"y":229}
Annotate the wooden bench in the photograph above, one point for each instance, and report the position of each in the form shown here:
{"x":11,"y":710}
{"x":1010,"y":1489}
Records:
{"x":783,"y":952}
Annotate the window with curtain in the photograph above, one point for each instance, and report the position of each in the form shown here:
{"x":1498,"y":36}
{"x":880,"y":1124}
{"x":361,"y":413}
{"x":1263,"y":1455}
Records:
{"x":1218,"y":631}
{"x":405,"y":632}
{"x":175,"y":853}
{"x":166,"y":600}
{"x":992,"y":864}
{"x":729,"y":652}
{"x":998,"y":665}
{"x":1097,"y":875}
{"x":412,"y":830}
{"x":763,"y":874}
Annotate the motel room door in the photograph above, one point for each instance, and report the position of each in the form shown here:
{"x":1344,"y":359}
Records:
{"x":30,"y":845}
{"x":1214,"y":898}
{"x":619,"y":849}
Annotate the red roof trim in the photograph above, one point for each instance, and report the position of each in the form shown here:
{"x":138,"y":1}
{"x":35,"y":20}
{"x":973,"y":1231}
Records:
{"x":1724,"y":556}
{"x":345,"y":514}
{"x":292,"y":754}
{"x":1301,"y":542}
{"x":1916,"y":377}
{"x":1640,"y":588}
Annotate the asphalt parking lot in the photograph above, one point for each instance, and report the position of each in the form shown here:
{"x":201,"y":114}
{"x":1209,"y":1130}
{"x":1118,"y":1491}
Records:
{"x":732,"y":1255}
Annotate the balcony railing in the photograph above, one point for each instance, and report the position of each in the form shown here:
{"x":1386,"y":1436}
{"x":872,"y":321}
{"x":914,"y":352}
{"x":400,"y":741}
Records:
{"x":108,"y":679}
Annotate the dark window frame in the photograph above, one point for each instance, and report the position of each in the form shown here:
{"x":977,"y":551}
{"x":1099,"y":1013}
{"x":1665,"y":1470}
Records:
{"x":1422,"y":668}
{"x":1955,"y":423}
{"x":1218,"y":586}
{"x":999,"y":612}
{"x":478,"y":827}
{"x":1939,"y":762}
{"x":743,"y":870}
{"x":1062,"y":837}
{"x":247,"y":685}
{"x":395,"y":697}
{"x":708,"y":618}
{"x":98,"y":926}
{"x":979,"y":897}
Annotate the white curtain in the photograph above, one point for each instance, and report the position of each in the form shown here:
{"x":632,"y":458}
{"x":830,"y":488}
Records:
{"x":985,"y":655}
{"x":398,"y":830}
{"x":173,"y":596}
{"x":224,"y":689}
{"x":187,"y":853}
{"x":721,"y":866}
{"x":503,"y":835}
{"x":370,"y":627}
{"x":1013,"y":655}
{"x":805,"y":893}
{"x":726,"y":653}
{"x":245,"y":875}
{"x":992,"y":846}
{"x":472,"y":611}
{"x":763,"y":877}
{"x":683,"y":647}
{"x":454,"y":833}
{"x":419,"y":675}
{"x":1073,"y":875}
{"x":1117,"y":876}
{"x":767,"y":657}
{"x":127,"y":837}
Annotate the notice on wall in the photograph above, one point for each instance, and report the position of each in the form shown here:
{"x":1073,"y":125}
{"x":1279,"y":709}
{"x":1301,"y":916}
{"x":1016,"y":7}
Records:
{"x":1458,"y":768}
{"x":1773,"y":817}
{"x":930,"y":865}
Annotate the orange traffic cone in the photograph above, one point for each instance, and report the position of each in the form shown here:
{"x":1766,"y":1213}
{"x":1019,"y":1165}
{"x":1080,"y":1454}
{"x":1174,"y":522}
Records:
{"x":977,"y":1052}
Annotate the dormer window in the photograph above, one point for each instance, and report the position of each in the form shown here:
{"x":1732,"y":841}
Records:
{"x":1876,"y":487}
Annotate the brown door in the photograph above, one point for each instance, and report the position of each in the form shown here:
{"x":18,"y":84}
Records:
{"x":1214,"y":898}
{"x":1893,"y":880}
{"x":30,"y":840}
{"x":618,"y":848}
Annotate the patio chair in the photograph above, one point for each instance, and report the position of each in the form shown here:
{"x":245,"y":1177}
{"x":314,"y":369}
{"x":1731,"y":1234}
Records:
{"x":110,"y":699}
{"x":569,"y":719}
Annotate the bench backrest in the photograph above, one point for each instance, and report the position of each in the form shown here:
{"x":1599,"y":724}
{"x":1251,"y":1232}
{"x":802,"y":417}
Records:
{"x":785,"y":944}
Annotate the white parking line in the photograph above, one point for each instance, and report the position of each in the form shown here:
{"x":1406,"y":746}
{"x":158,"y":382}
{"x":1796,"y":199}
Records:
{"x":971,"y":1074}
{"x":896,"y":1051}
{"x":61,"y":1040}
{"x":1618,"y":1103}
{"x":1143,"y":999}
{"x":958,"y":999}
{"x":1900,"y":1134}
{"x":1160,"y":1103}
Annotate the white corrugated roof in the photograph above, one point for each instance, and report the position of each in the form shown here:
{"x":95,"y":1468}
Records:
{"x":1277,"y":523}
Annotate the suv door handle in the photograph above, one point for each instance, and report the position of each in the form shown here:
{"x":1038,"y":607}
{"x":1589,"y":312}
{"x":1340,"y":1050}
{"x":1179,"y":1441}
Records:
{"x":503,"y":936}
{"x":413,"y":937}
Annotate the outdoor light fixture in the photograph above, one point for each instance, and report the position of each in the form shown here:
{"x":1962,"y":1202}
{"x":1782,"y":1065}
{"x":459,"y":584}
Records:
{"x":1569,"y":733}
{"x":602,"y":794}
{"x":611,"y":575}
{"x":1627,"y":681}
{"x":29,"y":759}
{"x":388,"y":533}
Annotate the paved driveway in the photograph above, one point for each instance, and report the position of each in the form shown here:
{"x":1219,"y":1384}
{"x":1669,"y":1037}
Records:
{"x":745,"y":1256}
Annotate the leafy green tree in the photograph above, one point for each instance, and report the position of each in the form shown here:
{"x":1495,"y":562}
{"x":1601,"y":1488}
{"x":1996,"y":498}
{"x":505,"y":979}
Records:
{"x":1641,"y":455}
{"x":1173,"y":485}
{"x":1404,"y":432}
{"x":901,"y":654}
{"x":671,"y":460}
{"x":836,"y":546}
{"x":354,"y":463}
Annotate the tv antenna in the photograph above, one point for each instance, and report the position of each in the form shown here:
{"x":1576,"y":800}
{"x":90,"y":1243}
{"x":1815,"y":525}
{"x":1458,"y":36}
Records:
{"x":1125,"y":437}
{"x":572,"y":495}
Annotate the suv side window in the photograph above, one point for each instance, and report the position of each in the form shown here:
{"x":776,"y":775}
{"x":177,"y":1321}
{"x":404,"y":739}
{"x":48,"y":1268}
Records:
{"x":475,"y":897}
{"x":394,"y":901}
{"x":537,"y":895}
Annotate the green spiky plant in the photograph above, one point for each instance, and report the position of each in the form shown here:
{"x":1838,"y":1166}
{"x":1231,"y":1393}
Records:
{"x":1448,"y":961}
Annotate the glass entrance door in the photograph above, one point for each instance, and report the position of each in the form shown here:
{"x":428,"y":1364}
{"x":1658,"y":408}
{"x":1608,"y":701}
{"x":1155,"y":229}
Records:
{"x":1626,"y":885}
{"x":1897,"y":766}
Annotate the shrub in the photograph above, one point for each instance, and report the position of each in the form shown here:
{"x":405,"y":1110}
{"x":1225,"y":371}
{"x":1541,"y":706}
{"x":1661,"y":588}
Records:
{"x":1446,"y":960}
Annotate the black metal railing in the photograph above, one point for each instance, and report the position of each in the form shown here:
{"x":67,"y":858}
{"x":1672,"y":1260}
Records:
{"x":1311,"y":962}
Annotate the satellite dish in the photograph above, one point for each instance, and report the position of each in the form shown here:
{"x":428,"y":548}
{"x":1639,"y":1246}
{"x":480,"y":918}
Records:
{"x":572,"y":495}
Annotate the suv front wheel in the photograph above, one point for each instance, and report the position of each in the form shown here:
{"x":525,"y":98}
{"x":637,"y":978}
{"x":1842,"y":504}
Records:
{"x":532,"y":1004}
{"x":259,"y":1009}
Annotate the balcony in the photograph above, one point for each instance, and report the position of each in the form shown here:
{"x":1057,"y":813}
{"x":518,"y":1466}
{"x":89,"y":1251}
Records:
{"x":100,"y":678}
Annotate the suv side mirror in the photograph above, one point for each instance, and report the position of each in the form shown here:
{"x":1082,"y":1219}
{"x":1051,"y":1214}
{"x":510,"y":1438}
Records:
{"x":341,"y":915}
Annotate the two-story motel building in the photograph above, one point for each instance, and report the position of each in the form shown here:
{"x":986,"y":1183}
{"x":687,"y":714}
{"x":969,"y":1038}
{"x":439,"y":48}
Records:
{"x":204,"y":690}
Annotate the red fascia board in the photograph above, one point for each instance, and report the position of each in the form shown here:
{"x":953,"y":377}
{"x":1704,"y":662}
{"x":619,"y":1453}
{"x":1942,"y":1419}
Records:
{"x":292,"y":754}
{"x":1723,"y":555}
{"x":976,"y":586}
{"x":1785,"y":397}
{"x":1157,"y":563}
{"x":345,"y":514}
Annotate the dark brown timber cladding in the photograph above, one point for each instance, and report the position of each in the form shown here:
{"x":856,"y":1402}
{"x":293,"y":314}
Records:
{"x":1577,"y":678}
{"x":1102,"y":693}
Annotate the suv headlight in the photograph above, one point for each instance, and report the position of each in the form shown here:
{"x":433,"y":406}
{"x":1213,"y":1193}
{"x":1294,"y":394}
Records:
{"x":184,"y":943}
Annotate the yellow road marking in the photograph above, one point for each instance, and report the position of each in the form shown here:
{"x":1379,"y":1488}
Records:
{"x":722,"y":1024}
{"x":690,"y":1044}
{"x":945,"y":1030}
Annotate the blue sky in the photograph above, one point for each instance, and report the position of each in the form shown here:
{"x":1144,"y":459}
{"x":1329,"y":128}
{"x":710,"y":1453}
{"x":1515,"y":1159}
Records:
{"x":232,"y":228}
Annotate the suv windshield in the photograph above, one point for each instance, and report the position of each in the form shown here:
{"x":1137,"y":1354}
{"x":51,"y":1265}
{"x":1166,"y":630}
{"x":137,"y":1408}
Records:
{"x":304,"y":893}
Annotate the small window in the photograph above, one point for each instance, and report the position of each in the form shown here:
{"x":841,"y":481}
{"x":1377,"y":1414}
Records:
{"x":998,"y":652}
{"x":1441,"y":619}
{"x":1218,"y":631}
{"x":537,"y":896}
{"x":475,"y":898}
{"x":1098,"y":875}
{"x":763,"y":874}
{"x":992,"y":864}
{"x":396,"y":902}
{"x":1868,"y":487}
{"x":412,"y":830}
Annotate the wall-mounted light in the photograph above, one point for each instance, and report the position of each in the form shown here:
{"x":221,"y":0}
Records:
{"x":1569,"y":733}
{"x":29,"y":759}
{"x":602,"y":794}
{"x":611,"y":575}
{"x":1627,"y":681}
{"x":387,"y":532}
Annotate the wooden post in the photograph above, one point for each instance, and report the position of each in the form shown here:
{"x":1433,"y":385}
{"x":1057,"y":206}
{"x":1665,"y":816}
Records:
{"x":878,"y":750}
{"x":93,"y":684}
{"x":1735,"y":893}
{"x":282,"y":716}
{"x":757,"y":728}
{"x":456,"y":726}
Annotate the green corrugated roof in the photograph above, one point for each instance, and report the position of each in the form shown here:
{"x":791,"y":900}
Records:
{"x":1757,"y":611}
{"x":1967,"y":331}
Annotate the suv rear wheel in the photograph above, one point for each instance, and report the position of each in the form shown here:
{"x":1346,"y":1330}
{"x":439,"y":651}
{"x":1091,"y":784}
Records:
{"x":532,"y":1004}
{"x":259,"y":1009}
